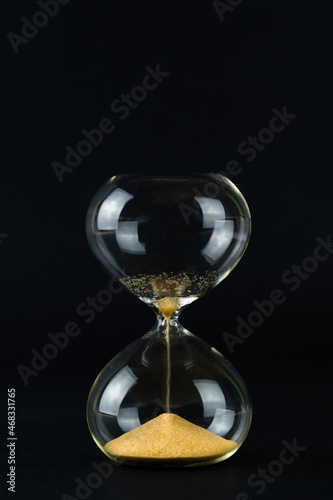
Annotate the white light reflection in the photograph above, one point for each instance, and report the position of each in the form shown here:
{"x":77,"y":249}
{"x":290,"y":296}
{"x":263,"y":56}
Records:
{"x":109,"y":211}
{"x":128,"y":418}
{"x":223,"y":230}
{"x":214,"y":405}
{"x":127,"y":237}
{"x":211,"y":210}
{"x":113,"y":395}
{"x":126,"y":232}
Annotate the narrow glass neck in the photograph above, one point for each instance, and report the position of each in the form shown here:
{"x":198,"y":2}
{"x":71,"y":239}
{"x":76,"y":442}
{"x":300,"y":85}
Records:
{"x":167,"y":326}
{"x":169,"y":307}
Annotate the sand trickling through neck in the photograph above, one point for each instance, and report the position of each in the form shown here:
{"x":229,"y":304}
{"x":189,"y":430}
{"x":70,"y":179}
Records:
{"x":167,"y":306}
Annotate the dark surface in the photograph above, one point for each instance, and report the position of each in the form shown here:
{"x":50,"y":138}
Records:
{"x":225,"y":79}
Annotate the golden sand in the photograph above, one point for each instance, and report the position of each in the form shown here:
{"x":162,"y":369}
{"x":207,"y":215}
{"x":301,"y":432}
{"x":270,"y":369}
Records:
{"x":167,"y":306}
{"x":169,"y":438}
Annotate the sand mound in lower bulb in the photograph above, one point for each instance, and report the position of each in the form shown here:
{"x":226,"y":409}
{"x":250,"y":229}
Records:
{"x":169,"y":440}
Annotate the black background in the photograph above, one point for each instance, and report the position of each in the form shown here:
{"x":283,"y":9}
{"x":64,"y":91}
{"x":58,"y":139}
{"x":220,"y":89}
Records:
{"x":225,"y":79}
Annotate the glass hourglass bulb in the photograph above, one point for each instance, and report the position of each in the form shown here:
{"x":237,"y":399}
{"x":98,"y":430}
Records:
{"x":169,"y":398}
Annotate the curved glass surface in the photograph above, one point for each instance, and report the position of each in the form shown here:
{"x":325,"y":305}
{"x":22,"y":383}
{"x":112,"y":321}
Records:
{"x":169,"y":398}
{"x":205,"y":389}
{"x":192,"y":229}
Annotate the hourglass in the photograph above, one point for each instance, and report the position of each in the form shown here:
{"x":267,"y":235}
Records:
{"x":169,"y":399}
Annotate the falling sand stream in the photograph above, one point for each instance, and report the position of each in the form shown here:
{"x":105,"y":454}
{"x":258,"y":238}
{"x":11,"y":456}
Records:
{"x":167,"y":306}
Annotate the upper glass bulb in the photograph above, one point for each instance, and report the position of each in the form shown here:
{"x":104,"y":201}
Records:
{"x":169,"y":235}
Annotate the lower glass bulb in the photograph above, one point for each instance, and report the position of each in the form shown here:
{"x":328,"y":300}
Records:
{"x":169,"y":399}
